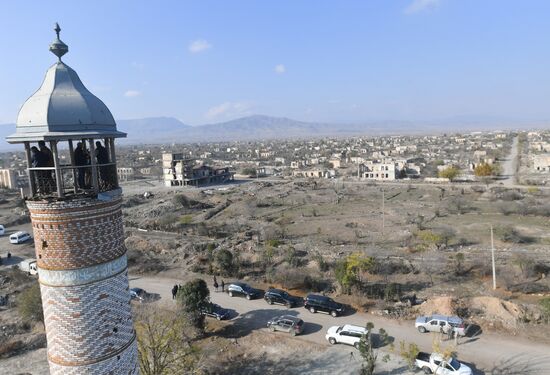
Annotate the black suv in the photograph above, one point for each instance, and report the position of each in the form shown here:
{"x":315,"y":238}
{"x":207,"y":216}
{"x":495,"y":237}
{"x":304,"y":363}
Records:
{"x":316,"y":302}
{"x":242,"y":289}
{"x":215,"y":311}
{"x":280,"y":296}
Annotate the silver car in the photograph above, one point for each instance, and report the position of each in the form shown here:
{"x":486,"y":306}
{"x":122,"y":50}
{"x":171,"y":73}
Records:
{"x":286,"y":323}
{"x":440,"y":323}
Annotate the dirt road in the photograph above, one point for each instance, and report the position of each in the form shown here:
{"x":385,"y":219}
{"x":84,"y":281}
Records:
{"x":491,"y":353}
{"x":509,"y":166}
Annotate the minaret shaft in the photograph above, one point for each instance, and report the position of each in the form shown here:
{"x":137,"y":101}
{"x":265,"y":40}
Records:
{"x":83,"y":278}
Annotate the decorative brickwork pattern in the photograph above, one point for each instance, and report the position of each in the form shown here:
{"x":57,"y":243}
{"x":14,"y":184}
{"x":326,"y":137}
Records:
{"x":83,"y":277}
{"x":123,"y":364}
{"x":76,"y":233}
{"x":87,"y":322}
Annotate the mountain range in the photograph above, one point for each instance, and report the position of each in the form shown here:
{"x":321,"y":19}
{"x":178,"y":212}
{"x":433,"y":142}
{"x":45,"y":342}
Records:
{"x":171,"y":130}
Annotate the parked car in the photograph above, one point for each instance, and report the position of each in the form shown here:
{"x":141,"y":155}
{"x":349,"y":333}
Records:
{"x":316,"y":302}
{"x":436,"y":363}
{"x":2,"y":230}
{"x":438,"y":323}
{"x":140,"y":295}
{"x":286,"y":323}
{"x":215,"y":311}
{"x":19,"y":237}
{"x":242,"y":289}
{"x":346,"y":334}
{"x":272,"y":296}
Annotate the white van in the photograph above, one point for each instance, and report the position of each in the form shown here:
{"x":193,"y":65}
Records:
{"x":19,"y":237}
{"x":29,"y":266}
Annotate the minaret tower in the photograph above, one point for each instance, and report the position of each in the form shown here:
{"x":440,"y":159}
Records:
{"x":75,"y":206}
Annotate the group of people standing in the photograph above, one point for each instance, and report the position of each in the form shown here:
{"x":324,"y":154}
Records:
{"x":216,"y":285}
{"x":175,"y":290}
{"x":177,"y":287}
{"x":82,"y":159}
{"x":42,"y":157}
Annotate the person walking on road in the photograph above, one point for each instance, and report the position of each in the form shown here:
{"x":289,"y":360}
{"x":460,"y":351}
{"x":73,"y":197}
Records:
{"x":174,"y":291}
{"x":223,"y":285}
{"x":450,"y":333}
{"x":215,"y":284}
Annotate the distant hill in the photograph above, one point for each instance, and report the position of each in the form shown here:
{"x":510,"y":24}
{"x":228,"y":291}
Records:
{"x":166,"y":129}
{"x":171,"y":130}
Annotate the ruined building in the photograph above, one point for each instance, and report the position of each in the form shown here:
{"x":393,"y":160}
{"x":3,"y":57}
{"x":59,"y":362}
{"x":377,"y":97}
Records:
{"x":76,"y":216}
{"x":182,"y":171}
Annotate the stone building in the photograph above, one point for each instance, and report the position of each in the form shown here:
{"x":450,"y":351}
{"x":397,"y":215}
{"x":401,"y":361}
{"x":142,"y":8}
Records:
{"x":76,"y":215}
{"x":125,"y":173}
{"x":8,"y":179}
{"x":541,"y":163}
{"x":182,"y":171}
{"x":379,"y":170}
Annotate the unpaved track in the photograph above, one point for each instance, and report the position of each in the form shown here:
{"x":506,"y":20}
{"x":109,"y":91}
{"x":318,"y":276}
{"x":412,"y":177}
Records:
{"x":491,"y":353}
{"x":509,"y":165}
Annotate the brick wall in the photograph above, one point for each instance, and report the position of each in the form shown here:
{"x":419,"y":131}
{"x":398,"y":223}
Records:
{"x":76,"y":234}
{"x":79,"y":245}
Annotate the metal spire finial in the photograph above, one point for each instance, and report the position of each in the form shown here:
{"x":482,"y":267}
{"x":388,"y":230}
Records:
{"x":57,"y":47}
{"x":57,"y":29}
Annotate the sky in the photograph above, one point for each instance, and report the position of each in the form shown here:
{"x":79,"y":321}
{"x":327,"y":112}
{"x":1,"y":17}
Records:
{"x":313,"y":60}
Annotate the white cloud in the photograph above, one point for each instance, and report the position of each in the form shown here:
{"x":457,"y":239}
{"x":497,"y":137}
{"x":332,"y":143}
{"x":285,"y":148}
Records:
{"x":280,"y":69}
{"x":420,"y":5}
{"x":132,"y":93}
{"x":199,"y":45}
{"x":228,"y":109}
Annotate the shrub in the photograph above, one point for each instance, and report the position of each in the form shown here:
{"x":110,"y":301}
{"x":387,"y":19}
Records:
{"x":321,"y":262}
{"x":451,"y":173}
{"x":459,"y":206}
{"x":510,"y":234}
{"x":348,"y":271}
{"x":186,"y":219}
{"x":430,"y":237}
{"x":192,"y":296}
{"x":291,"y":257}
{"x":544,"y":304}
{"x":485,"y":170}
{"x":409,"y":353}
{"x":29,"y":304}
{"x":273,"y":243}
{"x":250,"y":172}
{"x":168,"y":220}
{"x":181,"y":200}
{"x":224,"y":260}
{"x":314,"y":284}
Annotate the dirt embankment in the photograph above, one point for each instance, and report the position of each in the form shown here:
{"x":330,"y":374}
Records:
{"x":485,"y":310}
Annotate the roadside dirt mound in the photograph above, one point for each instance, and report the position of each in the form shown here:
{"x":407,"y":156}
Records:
{"x":438,"y":305}
{"x":495,"y":309}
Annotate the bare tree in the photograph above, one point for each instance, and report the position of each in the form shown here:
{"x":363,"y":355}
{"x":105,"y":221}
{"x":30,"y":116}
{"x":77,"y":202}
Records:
{"x":164,"y":342}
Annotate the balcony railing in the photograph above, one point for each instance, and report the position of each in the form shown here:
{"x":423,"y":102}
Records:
{"x":82,"y":179}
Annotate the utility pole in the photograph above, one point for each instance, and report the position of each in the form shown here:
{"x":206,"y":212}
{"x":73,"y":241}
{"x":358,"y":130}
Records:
{"x":493,"y":259}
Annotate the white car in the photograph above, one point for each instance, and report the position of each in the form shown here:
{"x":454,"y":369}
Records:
{"x":436,"y":363}
{"x":346,"y":334}
{"x":19,"y":237}
{"x":2,"y":230}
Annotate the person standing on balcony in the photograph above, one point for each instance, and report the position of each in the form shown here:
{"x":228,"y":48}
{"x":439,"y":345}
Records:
{"x":102,"y":157}
{"x":39,"y":160}
{"x":47,"y":161}
{"x":81,"y":159}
